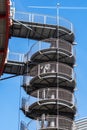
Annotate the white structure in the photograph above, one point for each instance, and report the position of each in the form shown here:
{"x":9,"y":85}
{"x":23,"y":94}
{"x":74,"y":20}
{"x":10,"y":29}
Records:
{"x":81,"y":124}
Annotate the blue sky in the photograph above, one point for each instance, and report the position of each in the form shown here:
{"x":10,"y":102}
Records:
{"x":10,"y":89}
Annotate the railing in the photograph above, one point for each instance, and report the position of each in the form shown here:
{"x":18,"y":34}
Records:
{"x":43,"y":19}
{"x":63,"y":46}
{"x":63,"y":96}
{"x":23,"y":126}
{"x":44,"y":69}
{"x":25,"y":104}
{"x":15,"y":57}
{"x":27,"y":126}
{"x":26,"y":80}
{"x":11,"y":56}
{"x":57,"y":122}
{"x":51,"y":93}
{"x":49,"y":122}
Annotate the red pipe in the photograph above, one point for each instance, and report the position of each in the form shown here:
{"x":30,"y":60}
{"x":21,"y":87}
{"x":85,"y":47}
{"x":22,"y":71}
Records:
{"x":6,"y":17}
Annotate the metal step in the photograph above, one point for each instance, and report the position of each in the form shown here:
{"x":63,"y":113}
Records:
{"x":12,"y":67}
{"x":37,"y":31}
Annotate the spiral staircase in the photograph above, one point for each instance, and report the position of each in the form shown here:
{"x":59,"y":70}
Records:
{"x":50,"y":79}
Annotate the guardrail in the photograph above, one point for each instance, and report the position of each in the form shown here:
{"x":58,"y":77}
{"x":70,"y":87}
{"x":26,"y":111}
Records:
{"x":23,"y":126}
{"x":54,"y":93}
{"x":63,"y":96}
{"x":17,"y":57}
{"x":43,"y":19}
{"x":61,"y":45}
{"x":44,"y":69}
{"x":56,"y":122}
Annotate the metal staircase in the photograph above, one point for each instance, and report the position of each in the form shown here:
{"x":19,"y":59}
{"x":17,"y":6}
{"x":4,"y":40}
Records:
{"x":49,"y":76}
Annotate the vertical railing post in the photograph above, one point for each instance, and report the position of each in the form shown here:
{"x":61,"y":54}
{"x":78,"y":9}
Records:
{"x":38,"y":95}
{"x":57,"y":122}
{"x":37,"y":124}
{"x":29,"y":17}
{"x":45,"y":19}
{"x":32,"y":18}
{"x":39,"y":45}
{"x":39,"y":70}
{"x":44,"y":94}
{"x":72,"y":28}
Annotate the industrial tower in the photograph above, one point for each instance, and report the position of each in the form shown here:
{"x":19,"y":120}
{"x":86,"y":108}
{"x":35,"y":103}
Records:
{"x":47,"y":69}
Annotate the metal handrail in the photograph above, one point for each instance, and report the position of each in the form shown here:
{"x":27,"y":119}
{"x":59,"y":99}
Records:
{"x":46,"y":68}
{"x":37,"y":72}
{"x":47,"y":94}
{"x":43,"y":19}
{"x":17,"y":57}
{"x":53,"y":122}
{"x":23,"y":126}
{"x":67,"y":48}
{"x":50,"y":93}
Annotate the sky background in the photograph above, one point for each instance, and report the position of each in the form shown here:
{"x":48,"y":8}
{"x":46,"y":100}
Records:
{"x":10,"y":89}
